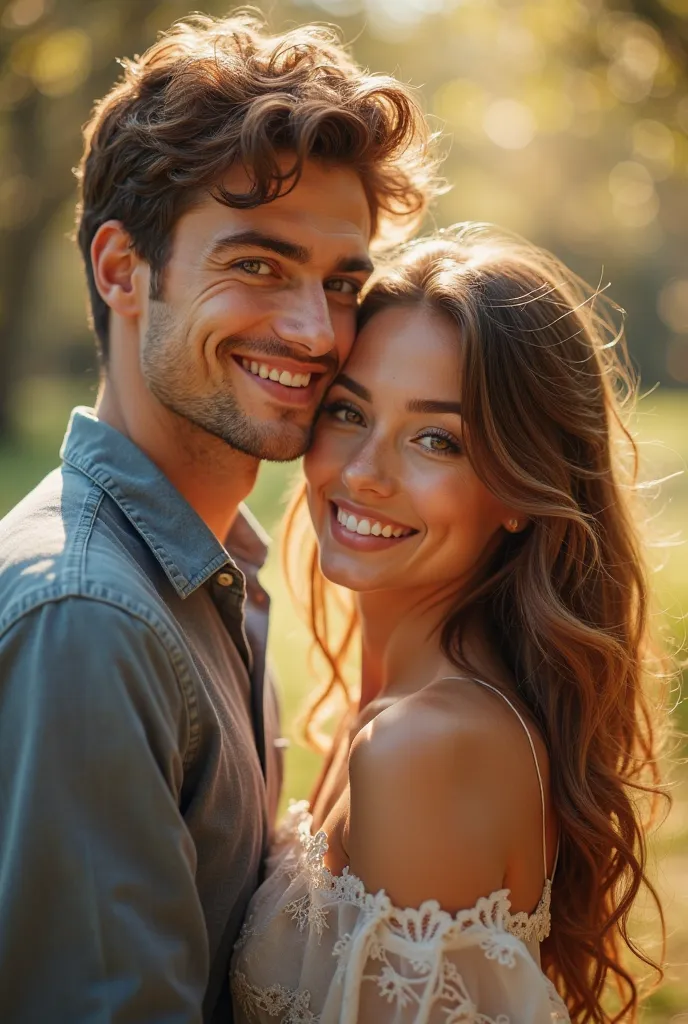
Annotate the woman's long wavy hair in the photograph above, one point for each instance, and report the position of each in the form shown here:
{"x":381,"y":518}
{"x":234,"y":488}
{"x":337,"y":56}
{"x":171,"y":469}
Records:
{"x":565,"y":602}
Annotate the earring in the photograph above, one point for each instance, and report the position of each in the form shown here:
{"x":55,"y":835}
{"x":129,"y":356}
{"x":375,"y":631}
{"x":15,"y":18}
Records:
{"x":512,"y":525}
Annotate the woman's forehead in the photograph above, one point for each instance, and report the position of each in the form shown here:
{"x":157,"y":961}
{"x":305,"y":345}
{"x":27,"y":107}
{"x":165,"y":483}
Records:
{"x":406,"y":342}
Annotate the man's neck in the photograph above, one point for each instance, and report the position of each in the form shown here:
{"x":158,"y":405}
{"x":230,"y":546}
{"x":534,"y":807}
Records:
{"x":213,"y":477}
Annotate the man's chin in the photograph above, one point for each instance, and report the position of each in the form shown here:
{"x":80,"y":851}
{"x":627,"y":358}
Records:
{"x":271,"y":443}
{"x":284,"y":448}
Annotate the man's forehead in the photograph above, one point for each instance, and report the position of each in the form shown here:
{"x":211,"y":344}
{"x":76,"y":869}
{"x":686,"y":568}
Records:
{"x":327,"y":201}
{"x":329,"y":242}
{"x":310,"y":228}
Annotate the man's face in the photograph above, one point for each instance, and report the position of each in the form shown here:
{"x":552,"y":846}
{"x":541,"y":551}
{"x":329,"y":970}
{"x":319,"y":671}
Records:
{"x":258,"y":311}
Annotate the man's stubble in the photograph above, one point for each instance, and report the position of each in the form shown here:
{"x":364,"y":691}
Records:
{"x":170,"y":374}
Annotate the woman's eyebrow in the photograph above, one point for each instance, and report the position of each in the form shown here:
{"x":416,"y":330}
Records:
{"x":414,"y":405}
{"x":426,"y":405}
{"x":352,"y":385}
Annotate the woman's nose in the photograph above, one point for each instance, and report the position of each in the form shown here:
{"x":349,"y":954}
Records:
{"x":369,"y":470}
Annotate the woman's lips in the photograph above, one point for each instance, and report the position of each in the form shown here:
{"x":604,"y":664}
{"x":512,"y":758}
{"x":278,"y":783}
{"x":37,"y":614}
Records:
{"x":365,"y":533}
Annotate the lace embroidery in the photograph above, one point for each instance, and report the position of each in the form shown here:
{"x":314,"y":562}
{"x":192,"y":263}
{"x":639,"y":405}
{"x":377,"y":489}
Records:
{"x":558,"y":1008}
{"x":424,"y":924}
{"x":291,"y":1007}
{"x":247,"y":932}
{"x":433,"y":973}
{"x":295,"y":1006}
{"x":433,"y":979}
{"x":305,"y":912}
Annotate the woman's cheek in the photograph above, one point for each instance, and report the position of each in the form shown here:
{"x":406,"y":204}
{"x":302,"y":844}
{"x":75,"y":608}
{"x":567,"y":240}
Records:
{"x":326,"y":457}
{"x":315,"y":461}
{"x":322,"y":472}
{"x":434,"y":491}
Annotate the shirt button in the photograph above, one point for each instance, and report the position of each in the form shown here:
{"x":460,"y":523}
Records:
{"x":225,"y":579}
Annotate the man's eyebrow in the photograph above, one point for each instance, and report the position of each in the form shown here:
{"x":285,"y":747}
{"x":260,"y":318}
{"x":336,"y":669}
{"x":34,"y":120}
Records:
{"x":426,"y":405}
{"x":354,"y":264}
{"x":258,"y":240}
{"x":282,"y":247}
{"x":354,"y":386}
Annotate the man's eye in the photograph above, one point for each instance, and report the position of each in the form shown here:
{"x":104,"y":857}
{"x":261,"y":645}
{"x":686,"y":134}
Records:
{"x":344,"y":287}
{"x":256,"y":268}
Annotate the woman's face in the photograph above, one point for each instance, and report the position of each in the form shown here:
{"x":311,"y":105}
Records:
{"x":394,"y":500}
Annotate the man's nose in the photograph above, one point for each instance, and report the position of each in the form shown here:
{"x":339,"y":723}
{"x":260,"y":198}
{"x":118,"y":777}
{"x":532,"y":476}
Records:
{"x":305,"y":320}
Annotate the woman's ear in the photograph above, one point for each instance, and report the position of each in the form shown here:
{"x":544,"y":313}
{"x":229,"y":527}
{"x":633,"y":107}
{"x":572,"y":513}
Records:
{"x":515,"y":524}
{"x":114,"y":263}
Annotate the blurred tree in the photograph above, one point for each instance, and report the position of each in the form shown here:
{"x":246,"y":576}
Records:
{"x":670,"y":17}
{"x":56,"y":58}
{"x":566,"y":120}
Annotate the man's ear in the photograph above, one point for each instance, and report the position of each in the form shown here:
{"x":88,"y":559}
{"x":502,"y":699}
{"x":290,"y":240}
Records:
{"x":115,"y":266}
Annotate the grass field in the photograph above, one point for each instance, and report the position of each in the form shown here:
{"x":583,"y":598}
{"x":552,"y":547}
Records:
{"x":41,"y":411}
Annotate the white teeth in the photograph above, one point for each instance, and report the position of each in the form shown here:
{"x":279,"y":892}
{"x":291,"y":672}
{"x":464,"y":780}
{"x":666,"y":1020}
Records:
{"x":365,"y":528}
{"x":283,"y":377}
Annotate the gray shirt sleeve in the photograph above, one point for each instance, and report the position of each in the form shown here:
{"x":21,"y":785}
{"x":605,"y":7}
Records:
{"x":100,"y":919}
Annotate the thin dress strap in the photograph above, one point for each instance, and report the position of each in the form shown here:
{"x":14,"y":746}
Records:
{"x":537,"y":766}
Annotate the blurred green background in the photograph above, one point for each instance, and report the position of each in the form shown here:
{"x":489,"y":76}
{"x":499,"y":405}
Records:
{"x":565,"y":120}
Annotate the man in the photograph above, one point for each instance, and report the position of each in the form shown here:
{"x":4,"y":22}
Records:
{"x":231,"y":185}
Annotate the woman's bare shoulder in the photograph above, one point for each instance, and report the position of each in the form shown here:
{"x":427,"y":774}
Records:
{"x":439,"y":782}
{"x":456,"y":718}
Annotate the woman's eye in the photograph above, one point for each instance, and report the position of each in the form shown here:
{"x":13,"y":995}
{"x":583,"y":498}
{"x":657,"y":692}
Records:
{"x":344,"y":287}
{"x":436,"y":443}
{"x":343,"y":413}
{"x":347,"y":416}
{"x":256,"y":268}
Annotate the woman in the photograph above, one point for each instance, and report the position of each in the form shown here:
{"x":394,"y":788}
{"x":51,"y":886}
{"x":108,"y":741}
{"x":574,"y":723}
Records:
{"x":475,"y":825}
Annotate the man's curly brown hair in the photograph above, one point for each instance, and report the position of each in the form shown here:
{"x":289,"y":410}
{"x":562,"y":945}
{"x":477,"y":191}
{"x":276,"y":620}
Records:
{"x":212,"y":93}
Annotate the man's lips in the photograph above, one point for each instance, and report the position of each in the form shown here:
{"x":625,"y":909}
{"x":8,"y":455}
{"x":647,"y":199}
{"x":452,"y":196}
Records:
{"x":287,"y":381}
{"x":282,"y":363}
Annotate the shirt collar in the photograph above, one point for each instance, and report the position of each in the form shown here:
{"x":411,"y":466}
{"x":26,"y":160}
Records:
{"x":186,"y":549}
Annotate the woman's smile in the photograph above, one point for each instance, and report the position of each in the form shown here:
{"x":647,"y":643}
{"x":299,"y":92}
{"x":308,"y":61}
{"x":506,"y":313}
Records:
{"x":387,"y":475}
{"x":366,"y":530}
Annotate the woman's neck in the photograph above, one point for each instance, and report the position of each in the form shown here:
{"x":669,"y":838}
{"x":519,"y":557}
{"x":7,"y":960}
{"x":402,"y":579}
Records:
{"x":400,"y":632}
{"x":401,"y":643}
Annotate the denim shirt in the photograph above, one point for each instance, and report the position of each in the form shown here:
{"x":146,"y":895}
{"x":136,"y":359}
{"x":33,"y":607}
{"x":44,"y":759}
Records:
{"x":138,"y":764}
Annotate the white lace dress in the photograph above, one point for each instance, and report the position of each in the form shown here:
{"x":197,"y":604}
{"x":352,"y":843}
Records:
{"x":317,"y":948}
